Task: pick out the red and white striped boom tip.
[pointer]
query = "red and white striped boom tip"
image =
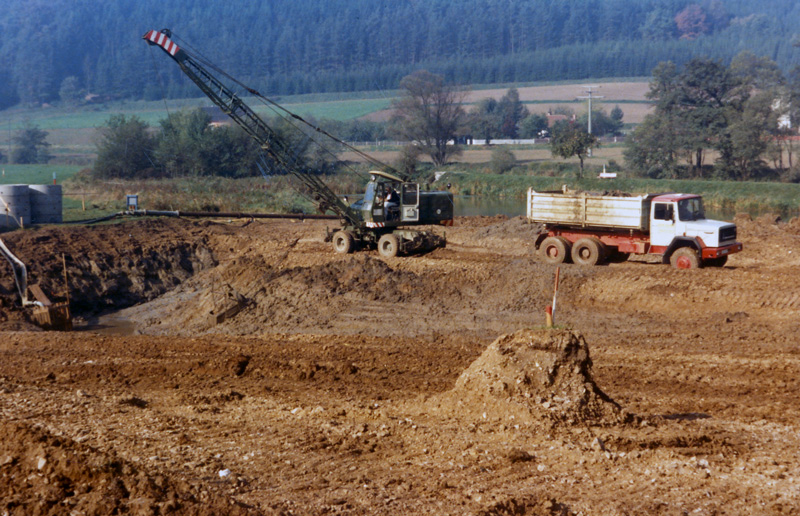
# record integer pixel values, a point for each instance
(155, 37)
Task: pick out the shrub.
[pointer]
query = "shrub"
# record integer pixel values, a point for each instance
(502, 160)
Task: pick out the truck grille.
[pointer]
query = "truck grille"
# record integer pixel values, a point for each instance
(727, 233)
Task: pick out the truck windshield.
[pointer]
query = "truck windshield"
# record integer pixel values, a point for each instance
(691, 209)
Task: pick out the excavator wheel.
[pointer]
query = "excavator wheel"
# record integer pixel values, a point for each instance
(343, 242)
(388, 245)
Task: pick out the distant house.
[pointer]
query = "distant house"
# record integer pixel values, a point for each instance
(552, 119)
(218, 117)
(95, 98)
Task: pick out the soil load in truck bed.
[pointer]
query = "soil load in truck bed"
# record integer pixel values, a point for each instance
(590, 210)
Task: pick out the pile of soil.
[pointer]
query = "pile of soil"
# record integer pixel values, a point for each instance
(271, 295)
(362, 275)
(516, 227)
(535, 377)
(66, 477)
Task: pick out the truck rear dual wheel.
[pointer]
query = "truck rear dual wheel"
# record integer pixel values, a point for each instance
(388, 245)
(685, 258)
(589, 251)
(343, 242)
(555, 249)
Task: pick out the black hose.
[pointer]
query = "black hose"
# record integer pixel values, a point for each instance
(93, 221)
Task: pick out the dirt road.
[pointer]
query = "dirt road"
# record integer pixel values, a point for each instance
(360, 385)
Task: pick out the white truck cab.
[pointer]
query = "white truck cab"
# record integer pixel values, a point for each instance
(679, 219)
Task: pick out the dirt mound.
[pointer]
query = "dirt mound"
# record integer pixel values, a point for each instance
(361, 275)
(45, 474)
(535, 376)
(281, 298)
(527, 506)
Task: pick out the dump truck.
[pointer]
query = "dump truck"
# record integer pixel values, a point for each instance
(590, 229)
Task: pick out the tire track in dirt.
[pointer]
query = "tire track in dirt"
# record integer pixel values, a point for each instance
(668, 290)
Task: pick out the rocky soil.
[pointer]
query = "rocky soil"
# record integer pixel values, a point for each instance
(416, 385)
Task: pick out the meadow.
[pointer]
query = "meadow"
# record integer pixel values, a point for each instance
(72, 134)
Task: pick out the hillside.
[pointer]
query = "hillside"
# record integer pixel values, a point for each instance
(60, 50)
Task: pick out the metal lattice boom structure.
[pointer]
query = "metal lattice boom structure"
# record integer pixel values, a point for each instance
(272, 143)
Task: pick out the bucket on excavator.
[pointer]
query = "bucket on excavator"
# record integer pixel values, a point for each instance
(53, 317)
(49, 315)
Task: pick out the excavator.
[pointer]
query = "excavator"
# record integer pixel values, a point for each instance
(392, 204)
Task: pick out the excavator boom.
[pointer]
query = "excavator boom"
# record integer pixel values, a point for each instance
(272, 144)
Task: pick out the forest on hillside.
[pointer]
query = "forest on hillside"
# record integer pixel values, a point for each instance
(61, 50)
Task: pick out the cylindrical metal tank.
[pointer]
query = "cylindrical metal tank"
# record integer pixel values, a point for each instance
(45, 204)
(15, 206)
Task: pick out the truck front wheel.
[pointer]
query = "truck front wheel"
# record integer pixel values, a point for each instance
(588, 251)
(555, 249)
(685, 258)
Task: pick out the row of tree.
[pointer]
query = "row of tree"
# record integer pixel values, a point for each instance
(740, 115)
(186, 144)
(509, 118)
(63, 50)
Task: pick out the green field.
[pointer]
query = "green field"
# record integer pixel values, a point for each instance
(154, 112)
(35, 174)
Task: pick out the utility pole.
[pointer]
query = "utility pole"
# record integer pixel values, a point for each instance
(591, 96)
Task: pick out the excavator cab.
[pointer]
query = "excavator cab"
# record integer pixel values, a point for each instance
(383, 202)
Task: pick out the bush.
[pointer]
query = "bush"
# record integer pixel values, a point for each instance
(409, 159)
(502, 160)
(791, 175)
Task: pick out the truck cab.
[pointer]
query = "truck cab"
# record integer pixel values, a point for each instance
(678, 221)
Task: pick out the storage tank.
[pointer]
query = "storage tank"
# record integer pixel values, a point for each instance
(15, 206)
(45, 204)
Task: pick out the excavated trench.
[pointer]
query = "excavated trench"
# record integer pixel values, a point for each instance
(107, 268)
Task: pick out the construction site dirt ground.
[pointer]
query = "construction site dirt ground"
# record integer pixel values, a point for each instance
(245, 368)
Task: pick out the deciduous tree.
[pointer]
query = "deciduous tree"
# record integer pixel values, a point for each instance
(430, 114)
(691, 22)
(30, 145)
(485, 120)
(571, 139)
(125, 148)
(512, 112)
(533, 125)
